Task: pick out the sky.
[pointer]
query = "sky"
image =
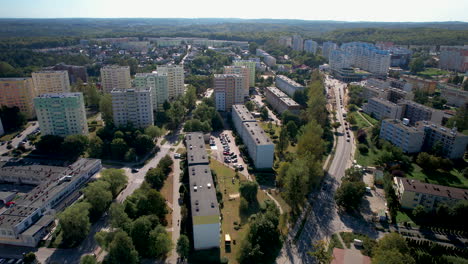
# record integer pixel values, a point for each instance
(342, 10)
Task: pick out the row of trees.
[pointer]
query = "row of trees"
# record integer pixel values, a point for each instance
(11, 117)
(351, 190)
(75, 221)
(156, 176)
(205, 118)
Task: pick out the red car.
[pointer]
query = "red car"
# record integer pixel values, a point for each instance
(226, 153)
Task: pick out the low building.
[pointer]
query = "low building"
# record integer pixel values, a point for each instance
(260, 147)
(452, 144)
(31, 216)
(454, 95)
(395, 95)
(369, 92)
(287, 85)
(204, 205)
(382, 109)
(401, 134)
(412, 193)
(281, 101)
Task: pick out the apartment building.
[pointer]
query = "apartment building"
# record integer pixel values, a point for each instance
(452, 143)
(281, 101)
(133, 106)
(242, 71)
(382, 109)
(372, 91)
(395, 95)
(259, 145)
(367, 57)
(261, 53)
(412, 193)
(285, 41)
(310, 46)
(297, 43)
(32, 216)
(401, 134)
(115, 77)
(455, 96)
(228, 90)
(454, 58)
(204, 204)
(327, 48)
(2, 130)
(250, 64)
(389, 83)
(61, 114)
(175, 79)
(18, 92)
(51, 82)
(339, 59)
(270, 61)
(75, 73)
(420, 84)
(158, 84)
(417, 112)
(287, 85)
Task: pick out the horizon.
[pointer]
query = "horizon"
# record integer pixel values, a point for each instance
(417, 11)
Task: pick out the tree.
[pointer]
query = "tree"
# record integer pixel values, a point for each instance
(99, 196)
(88, 259)
(153, 131)
(392, 249)
(190, 97)
(292, 129)
(349, 194)
(419, 212)
(143, 144)
(29, 258)
(139, 233)
(183, 246)
(296, 183)
(95, 147)
(49, 144)
(320, 253)
(250, 105)
(121, 250)
(416, 65)
(118, 217)
(74, 223)
(118, 148)
(155, 177)
(283, 142)
(116, 178)
(159, 242)
(105, 107)
(316, 104)
(74, 146)
(176, 113)
(91, 95)
(310, 142)
(248, 190)
(12, 118)
(264, 113)
(392, 257)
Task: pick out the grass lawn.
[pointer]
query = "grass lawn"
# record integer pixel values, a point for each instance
(231, 217)
(373, 121)
(334, 243)
(403, 217)
(433, 72)
(276, 128)
(181, 150)
(361, 123)
(369, 158)
(454, 178)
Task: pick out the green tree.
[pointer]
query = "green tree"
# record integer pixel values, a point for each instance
(292, 129)
(264, 113)
(155, 177)
(88, 259)
(349, 194)
(153, 131)
(416, 65)
(250, 105)
(99, 196)
(392, 249)
(248, 190)
(190, 97)
(283, 142)
(320, 253)
(12, 118)
(116, 178)
(118, 148)
(29, 258)
(159, 242)
(74, 146)
(296, 184)
(310, 142)
(183, 246)
(105, 107)
(74, 223)
(118, 217)
(91, 95)
(143, 144)
(139, 233)
(95, 147)
(316, 104)
(49, 144)
(121, 250)
(176, 113)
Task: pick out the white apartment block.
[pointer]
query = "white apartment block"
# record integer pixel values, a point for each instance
(132, 106)
(367, 57)
(115, 77)
(310, 46)
(453, 144)
(280, 101)
(454, 58)
(401, 134)
(228, 90)
(158, 84)
(51, 82)
(285, 41)
(259, 145)
(339, 59)
(175, 79)
(327, 48)
(382, 109)
(270, 61)
(297, 43)
(287, 85)
(61, 114)
(242, 71)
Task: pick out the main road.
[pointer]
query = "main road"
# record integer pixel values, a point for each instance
(321, 217)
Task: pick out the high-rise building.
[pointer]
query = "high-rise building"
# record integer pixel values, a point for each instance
(310, 46)
(175, 79)
(158, 83)
(327, 48)
(75, 73)
(61, 114)
(401, 134)
(454, 58)
(339, 59)
(297, 43)
(251, 66)
(115, 77)
(51, 82)
(18, 92)
(132, 106)
(451, 143)
(228, 90)
(367, 57)
(243, 71)
(285, 41)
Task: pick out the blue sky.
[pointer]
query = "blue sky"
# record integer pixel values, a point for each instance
(346, 10)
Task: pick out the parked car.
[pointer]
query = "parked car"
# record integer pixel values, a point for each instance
(226, 153)
(176, 156)
(135, 170)
(233, 156)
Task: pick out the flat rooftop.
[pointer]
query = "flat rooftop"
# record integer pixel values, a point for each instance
(440, 129)
(433, 189)
(196, 152)
(382, 101)
(12, 79)
(289, 81)
(243, 112)
(256, 132)
(399, 123)
(59, 95)
(202, 191)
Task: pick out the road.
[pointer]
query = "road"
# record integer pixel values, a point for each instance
(176, 216)
(323, 219)
(15, 141)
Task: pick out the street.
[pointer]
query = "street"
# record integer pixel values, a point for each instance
(16, 140)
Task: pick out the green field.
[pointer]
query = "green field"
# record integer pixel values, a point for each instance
(454, 178)
(433, 72)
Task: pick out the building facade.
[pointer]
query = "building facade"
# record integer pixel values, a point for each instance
(382, 109)
(310, 46)
(451, 143)
(61, 114)
(367, 57)
(454, 58)
(175, 79)
(280, 101)
(261, 149)
(18, 92)
(251, 66)
(270, 61)
(297, 43)
(455, 96)
(401, 134)
(287, 85)
(75, 73)
(2, 130)
(242, 71)
(417, 112)
(327, 48)
(115, 77)
(132, 106)
(228, 90)
(158, 84)
(285, 41)
(420, 84)
(204, 204)
(51, 82)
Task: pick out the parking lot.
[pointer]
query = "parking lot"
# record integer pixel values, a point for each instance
(223, 154)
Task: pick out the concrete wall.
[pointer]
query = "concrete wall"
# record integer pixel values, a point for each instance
(206, 236)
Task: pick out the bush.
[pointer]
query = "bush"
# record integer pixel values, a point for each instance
(363, 149)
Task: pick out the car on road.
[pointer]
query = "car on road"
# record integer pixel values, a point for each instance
(347, 140)
(176, 156)
(135, 170)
